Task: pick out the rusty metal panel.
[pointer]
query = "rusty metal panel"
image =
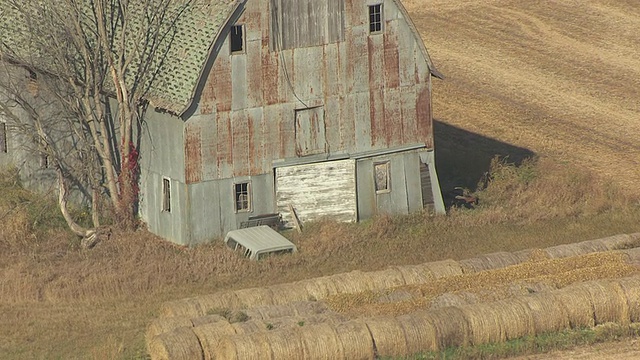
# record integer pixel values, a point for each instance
(316, 191)
(193, 160)
(270, 76)
(376, 57)
(423, 115)
(336, 21)
(287, 135)
(412, 177)
(347, 123)
(391, 55)
(310, 131)
(209, 149)
(332, 115)
(409, 121)
(307, 74)
(225, 145)
(240, 134)
(393, 121)
(358, 59)
(217, 92)
(254, 74)
(356, 13)
(361, 118)
(377, 117)
(407, 55)
(285, 94)
(254, 129)
(270, 135)
(331, 70)
(239, 85)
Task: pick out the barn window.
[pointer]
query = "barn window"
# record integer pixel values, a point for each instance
(3, 137)
(166, 195)
(382, 177)
(375, 19)
(237, 39)
(242, 196)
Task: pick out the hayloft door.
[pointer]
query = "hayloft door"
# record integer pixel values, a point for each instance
(310, 131)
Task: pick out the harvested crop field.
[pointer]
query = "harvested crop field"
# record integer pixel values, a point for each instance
(558, 78)
(405, 310)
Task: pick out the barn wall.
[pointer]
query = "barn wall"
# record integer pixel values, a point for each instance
(373, 89)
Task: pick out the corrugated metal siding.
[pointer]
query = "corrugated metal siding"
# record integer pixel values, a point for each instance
(326, 189)
(375, 91)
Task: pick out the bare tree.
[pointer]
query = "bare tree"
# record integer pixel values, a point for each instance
(98, 59)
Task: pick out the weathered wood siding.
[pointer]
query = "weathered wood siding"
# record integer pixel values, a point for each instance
(374, 89)
(325, 189)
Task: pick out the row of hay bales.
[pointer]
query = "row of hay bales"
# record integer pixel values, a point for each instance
(576, 306)
(358, 281)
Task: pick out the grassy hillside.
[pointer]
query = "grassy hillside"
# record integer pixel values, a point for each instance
(556, 80)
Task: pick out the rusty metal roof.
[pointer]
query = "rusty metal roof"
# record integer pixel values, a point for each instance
(189, 45)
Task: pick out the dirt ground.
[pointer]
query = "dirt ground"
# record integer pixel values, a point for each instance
(559, 78)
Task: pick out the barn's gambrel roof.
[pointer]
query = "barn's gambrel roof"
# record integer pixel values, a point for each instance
(193, 35)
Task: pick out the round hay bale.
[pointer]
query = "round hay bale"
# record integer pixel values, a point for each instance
(217, 301)
(321, 342)
(619, 242)
(210, 335)
(485, 323)
(631, 289)
(516, 318)
(248, 298)
(165, 324)
(286, 293)
(189, 308)
(563, 251)
(633, 255)
(523, 255)
(207, 319)
(576, 301)
(420, 335)
(355, 338)
(547, 313)
(497, 260)
(352, 282)
(444, 268)
(591, 246)
(181, 343)
(254, 346)
(305, 308)
(250, 326)
(386, 279)
(388, 336)
(329, 318)
(451, 326)
(609, 302)
(285, 344)
(415, 274)
(448, 299)
(319, 288)
(273, 311)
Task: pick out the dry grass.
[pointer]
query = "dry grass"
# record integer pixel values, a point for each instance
(519, 74)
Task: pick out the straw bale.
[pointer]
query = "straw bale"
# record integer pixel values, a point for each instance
(329, 318)
(272, 311)
(321, 342)
(633, 255)
(255, 346)
(547, 313)
(210, 335)
(451, 326)
(444, 268)
(388, 336)
(609, 302)
(180, 343)
(619, 242)
(285, 344)
(249, 326)
(577, 304)
(356, 340)
(563, 251)
(516, 318)
(395, 296)
(420, 335)
(304, 308)
(217, 301)
(286, 293)
(352, 282)
(496, 260)
(485, 323)
(386, 279)
(591, 246)
(415, 274)
(448, 299)
(165, 324)
(201, 320)
(524, 255)
(189, 307)
(248, 298)
(631, 289)
(319, 288)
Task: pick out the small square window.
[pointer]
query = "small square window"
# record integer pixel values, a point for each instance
(375, 18)
(382, 177)
(237, 39)
(3, 137)
(166, 195)
(242, 196)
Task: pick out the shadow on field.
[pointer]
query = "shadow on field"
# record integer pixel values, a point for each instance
(463, 157)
